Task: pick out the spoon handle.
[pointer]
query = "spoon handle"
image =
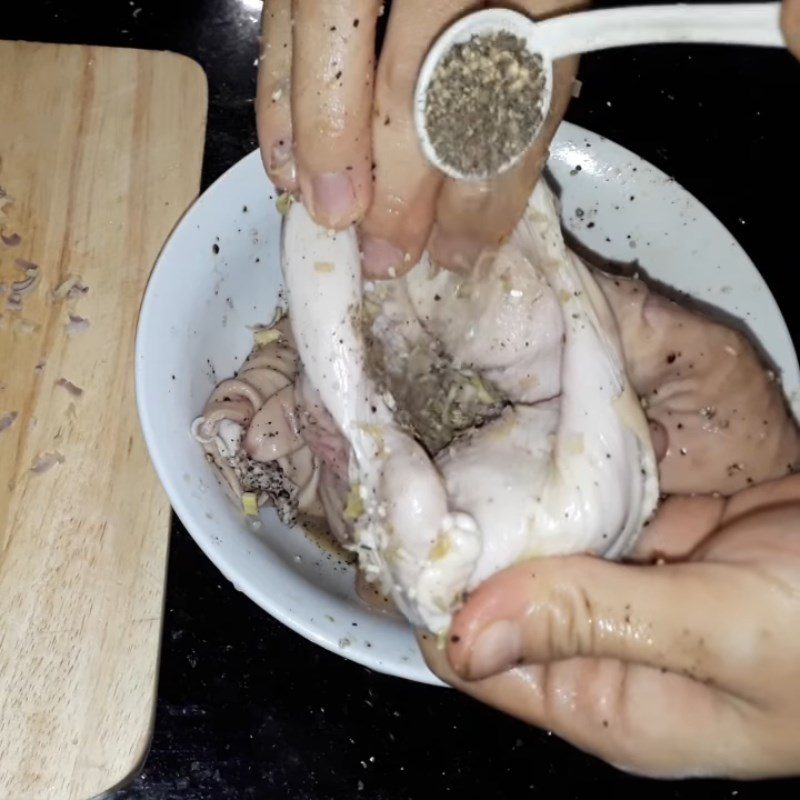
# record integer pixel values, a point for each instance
(723, 23)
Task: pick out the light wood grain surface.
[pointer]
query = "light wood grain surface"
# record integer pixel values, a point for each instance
(101, 151)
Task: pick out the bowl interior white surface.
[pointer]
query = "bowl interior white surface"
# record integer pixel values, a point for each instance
(220, 272)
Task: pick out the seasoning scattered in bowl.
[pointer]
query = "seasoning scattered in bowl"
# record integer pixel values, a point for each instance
(483, 106)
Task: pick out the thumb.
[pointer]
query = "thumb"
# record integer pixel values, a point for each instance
(690, 618)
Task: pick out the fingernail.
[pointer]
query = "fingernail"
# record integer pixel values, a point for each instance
(380, 258)
(454, 252)
(497, 648)
(332, 197)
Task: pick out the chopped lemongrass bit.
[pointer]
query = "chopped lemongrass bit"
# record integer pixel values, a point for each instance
(250, 504)
(355, 504)
(441, 547)
(483, 392)
(264, 336)
(284, 202)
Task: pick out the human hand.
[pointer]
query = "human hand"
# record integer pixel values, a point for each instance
(351, 149)
(685, 666)
(790, 22)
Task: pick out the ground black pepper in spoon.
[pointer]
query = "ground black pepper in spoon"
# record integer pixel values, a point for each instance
(484, 103)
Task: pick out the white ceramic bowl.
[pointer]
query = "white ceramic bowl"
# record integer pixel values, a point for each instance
(193, 331)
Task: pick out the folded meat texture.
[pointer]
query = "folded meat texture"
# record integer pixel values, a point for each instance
(469, 421)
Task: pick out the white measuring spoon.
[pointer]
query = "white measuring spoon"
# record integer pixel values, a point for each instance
(756, 24)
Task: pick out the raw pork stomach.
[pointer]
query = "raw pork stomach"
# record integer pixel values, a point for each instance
(488, 418)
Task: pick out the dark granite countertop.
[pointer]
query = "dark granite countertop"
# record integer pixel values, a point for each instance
(248, 709)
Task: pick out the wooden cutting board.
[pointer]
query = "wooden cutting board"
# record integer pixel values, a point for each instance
(100, 150)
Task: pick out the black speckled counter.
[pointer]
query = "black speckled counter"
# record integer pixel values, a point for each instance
(248, 709)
